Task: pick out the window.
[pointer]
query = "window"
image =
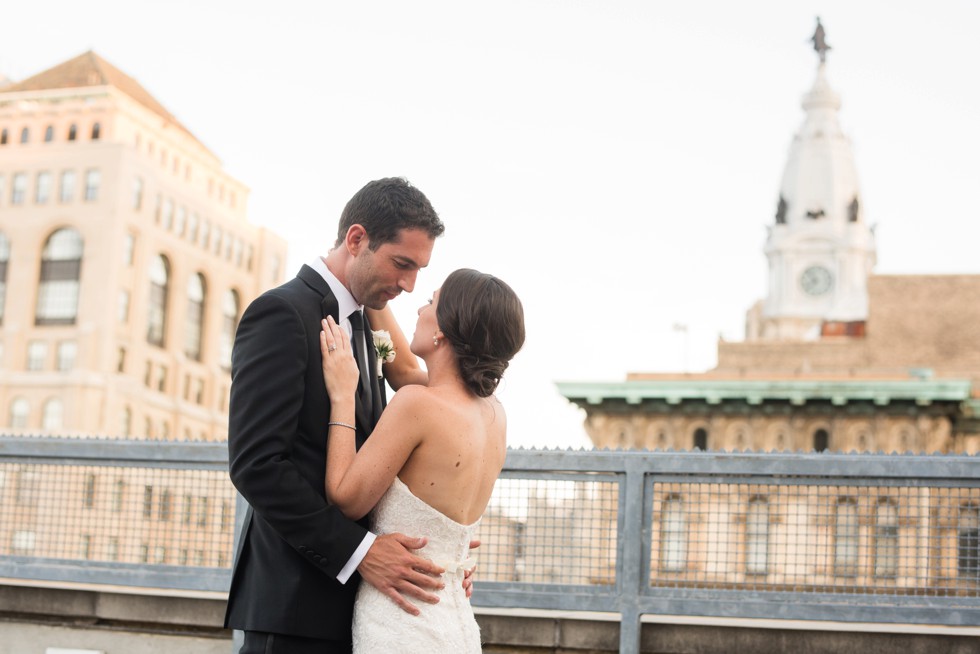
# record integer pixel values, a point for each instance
(238, 249)
(229, 323)
(67, 352)
(202, 512)
(67, 186)
(72, 132)
(18, 189)
(161, 379)
(4, 258)
(166, 504)
(19, 410)
(168, 214)
(195, 316)
(129, 248)
(86, 548)
(96, 131)
(757, 537)
(118, 493)
(700, 439)
(49, 134)
(4, 136)
(28, 487)
(42, 190)
(61, 263)
(88, 496)
(968, 543)
(93, 178)
(846, 541)
(886, 539)
(148, 501)
(673, 535)
(37, 354)
(188, 508)
(126, 422)
(159, 282)
(137, 193)
(123, 308)
(53, 417)
(192, 226)
(121, 360)
(199, 391)
(821, 440)
(23, 542)
(181, 224)
(25, 135)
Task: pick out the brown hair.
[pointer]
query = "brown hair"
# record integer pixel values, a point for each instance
(483, 319)
(386, 206)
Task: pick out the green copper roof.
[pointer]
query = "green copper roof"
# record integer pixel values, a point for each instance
(796, 391)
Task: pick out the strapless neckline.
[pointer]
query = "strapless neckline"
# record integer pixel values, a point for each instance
(402, 485)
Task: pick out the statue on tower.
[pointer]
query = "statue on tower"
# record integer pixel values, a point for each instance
(819, 39)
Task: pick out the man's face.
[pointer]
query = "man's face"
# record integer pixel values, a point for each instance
(378, 276)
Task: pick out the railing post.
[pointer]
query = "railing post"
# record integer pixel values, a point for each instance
(630, 572)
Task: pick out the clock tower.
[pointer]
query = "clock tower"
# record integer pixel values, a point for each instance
(820, 248)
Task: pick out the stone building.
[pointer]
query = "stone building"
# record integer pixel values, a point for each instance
(835, 357)
(126, 259)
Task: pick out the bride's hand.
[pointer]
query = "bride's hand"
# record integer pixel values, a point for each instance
(340, 374)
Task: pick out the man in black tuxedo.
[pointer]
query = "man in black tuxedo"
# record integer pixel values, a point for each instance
(299, 560)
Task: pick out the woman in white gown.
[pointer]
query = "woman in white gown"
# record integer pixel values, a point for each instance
(429, 467)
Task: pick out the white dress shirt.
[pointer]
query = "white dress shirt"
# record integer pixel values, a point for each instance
(346, 305)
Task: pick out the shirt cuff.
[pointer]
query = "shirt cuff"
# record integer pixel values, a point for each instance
(356, 558)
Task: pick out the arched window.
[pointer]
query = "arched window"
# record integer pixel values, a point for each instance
(4, 258)
(821, 440)
(48, 133)
(53, 417)
(700, 439)
(72, 132)
(846, 538)
(757, 537)
(19, 410)
(159, 284)
(96, 131)
(229, 323)
(195, 316)
(886, 539)
(968, 543)
(25, 135)
(61, 265)
(126, 422)
(673, 535)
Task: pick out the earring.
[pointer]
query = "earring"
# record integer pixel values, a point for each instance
(435, 341)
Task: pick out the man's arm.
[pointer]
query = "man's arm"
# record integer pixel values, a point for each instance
(269, 364)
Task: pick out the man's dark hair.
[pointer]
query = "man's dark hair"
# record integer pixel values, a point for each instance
(386, 206)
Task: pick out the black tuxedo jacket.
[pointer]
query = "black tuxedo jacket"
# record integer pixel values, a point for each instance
(292, 545)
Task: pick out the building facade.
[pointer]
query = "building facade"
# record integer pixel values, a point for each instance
(126, 260)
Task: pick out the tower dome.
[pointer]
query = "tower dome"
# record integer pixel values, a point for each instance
(820, 249)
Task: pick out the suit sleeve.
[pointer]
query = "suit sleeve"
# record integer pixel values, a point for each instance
(269, 372)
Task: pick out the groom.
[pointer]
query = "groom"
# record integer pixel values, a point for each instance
(294, 578)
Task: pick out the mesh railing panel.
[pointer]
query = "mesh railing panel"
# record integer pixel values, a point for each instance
(550, 531)
(154, 516)
(816, 538)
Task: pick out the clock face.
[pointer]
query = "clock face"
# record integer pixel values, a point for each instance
(816, 280)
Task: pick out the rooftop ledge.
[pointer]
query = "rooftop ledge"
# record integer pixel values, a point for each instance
(795, 391)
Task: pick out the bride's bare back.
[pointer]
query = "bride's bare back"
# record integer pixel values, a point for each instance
(460, 453)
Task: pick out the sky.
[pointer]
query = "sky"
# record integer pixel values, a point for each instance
(615, 161)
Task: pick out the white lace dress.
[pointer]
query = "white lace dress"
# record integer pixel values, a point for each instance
(380, 625)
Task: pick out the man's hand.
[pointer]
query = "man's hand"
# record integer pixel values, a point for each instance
(391, 567)
(468, 575)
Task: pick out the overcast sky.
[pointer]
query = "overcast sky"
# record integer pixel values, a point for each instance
(615, 161)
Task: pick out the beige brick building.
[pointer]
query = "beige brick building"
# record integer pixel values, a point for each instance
(126, 259)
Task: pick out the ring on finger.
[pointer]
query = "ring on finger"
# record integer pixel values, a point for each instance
(331, 348)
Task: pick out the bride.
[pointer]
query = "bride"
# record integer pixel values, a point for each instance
(430, 465)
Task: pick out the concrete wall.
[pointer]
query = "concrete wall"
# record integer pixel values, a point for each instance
(119, 621)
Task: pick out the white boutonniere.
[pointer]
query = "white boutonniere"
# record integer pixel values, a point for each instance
(385, 348)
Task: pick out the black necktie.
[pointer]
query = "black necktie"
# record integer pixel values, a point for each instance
(359, 345)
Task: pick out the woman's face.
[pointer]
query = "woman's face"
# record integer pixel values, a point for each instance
(426, 328)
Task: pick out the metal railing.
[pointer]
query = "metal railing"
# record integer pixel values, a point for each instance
(841, 537)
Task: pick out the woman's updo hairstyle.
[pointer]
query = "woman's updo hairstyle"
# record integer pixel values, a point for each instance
(483, 320)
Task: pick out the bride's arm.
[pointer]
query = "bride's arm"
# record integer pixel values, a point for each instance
(356, 479)
(405, 368)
